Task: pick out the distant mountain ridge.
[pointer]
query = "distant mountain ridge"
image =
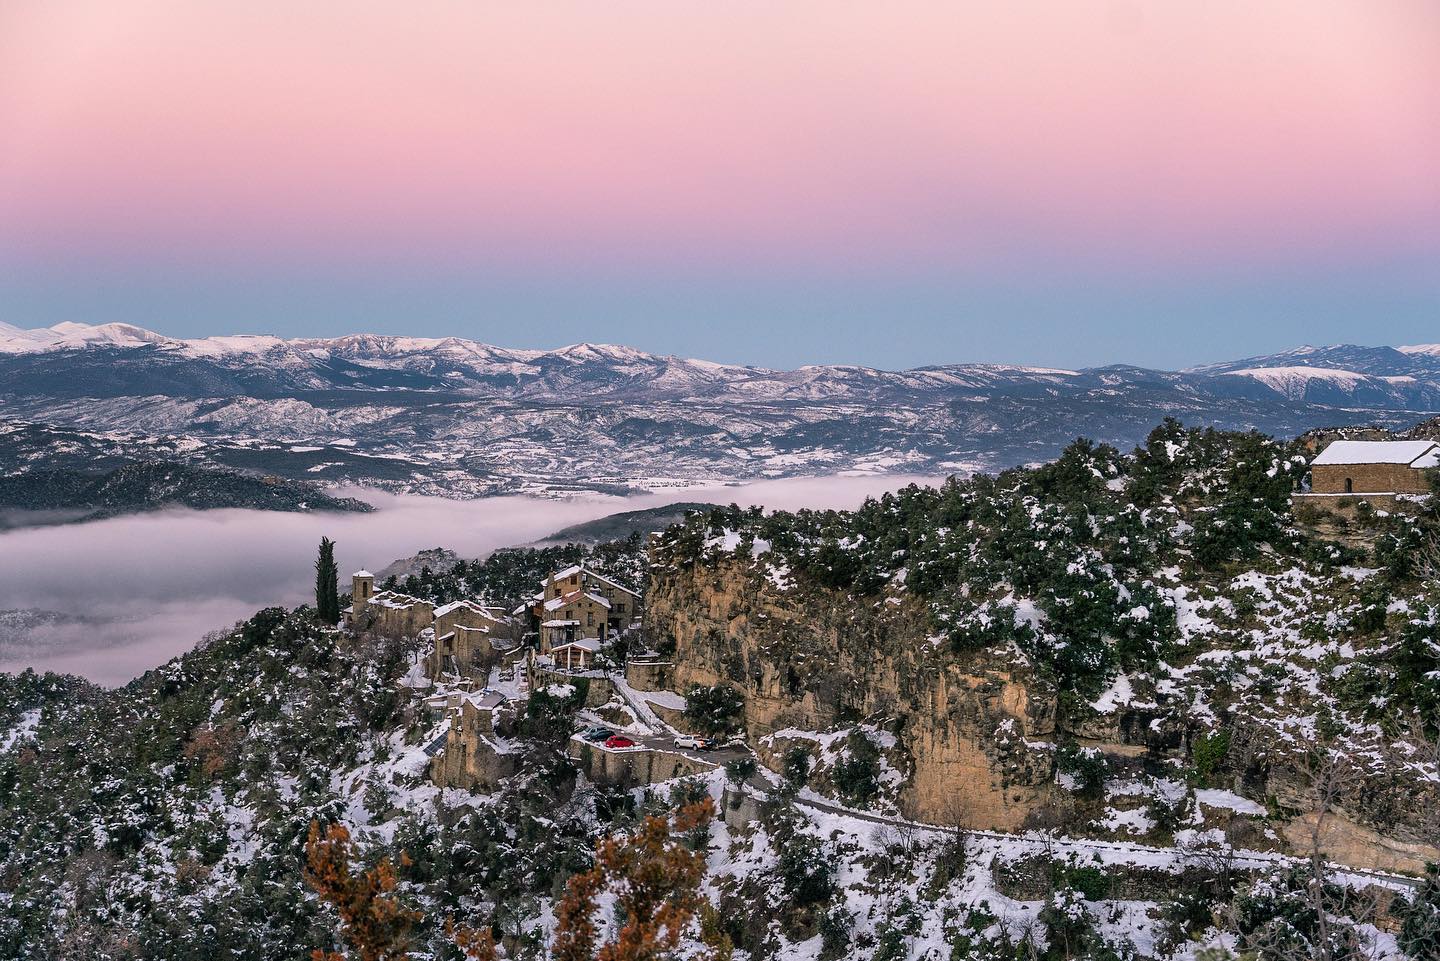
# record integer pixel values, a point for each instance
(460, 418)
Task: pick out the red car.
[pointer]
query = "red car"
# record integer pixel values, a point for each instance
(618, 740)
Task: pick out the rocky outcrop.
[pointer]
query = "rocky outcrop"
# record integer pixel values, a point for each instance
(1341, 839)
(976, 725)
(977, 728)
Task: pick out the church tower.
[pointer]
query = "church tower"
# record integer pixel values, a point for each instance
(362, 588)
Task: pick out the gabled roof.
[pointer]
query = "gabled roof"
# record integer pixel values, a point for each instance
(590, 572)
(615, 584)
(1414, 453)
(555, 603)
(468, 605)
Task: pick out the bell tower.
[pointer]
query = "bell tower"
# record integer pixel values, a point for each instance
(362, 588)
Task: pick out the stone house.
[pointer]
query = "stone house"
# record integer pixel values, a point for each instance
(620, 605)
(470, 639)
(1374, 467)
(574, 616)
(477, 750)
(388, 613)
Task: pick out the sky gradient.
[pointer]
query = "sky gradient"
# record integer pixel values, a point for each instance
(887, 183)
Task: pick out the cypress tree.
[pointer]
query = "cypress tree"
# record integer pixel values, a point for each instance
(327, 583)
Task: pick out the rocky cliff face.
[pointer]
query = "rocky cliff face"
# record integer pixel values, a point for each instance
(976, 726)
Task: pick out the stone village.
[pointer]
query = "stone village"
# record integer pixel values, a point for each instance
(478, 664)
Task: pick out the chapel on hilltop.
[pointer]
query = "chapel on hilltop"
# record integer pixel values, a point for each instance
(1374, 467)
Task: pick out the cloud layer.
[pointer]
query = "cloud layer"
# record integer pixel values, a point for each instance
(159, 582)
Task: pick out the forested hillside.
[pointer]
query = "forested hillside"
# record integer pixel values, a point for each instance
(1143, 667)
(1164, 599)
(69, 496)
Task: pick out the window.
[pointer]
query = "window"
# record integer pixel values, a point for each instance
(1349, 486)
(590, 619)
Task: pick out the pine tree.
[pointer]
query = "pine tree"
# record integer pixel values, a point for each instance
(655, 880)
(374, 923)
(327, 587)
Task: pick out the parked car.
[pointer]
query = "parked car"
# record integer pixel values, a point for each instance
(618, 740)
(690, 741)
(596, 733)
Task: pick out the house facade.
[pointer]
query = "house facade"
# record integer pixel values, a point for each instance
(574, 616)
(1374, 467)
(470, 639)
(611, 606)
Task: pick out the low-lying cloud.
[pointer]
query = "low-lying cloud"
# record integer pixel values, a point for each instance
(154, 584)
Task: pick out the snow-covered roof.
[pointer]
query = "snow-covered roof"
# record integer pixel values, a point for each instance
(555, 603)
(559, 623)
(362, 574)
(591, 644)
(396, 600)
(1379, 452)
(574, 569)
(487, 700)
(468, 605)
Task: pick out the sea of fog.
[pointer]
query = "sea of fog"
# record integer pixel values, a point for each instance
(129, 593)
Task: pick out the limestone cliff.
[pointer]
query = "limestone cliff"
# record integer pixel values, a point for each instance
(976, 725)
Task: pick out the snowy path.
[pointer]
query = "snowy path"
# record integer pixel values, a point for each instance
(1136, 853)
(641, 707)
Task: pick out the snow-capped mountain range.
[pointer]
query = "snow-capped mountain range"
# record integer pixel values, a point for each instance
(453, 416)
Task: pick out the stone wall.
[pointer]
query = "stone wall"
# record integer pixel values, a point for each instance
(649, 675)
(1368, 479)
(738, 808)
(599, 690)
(399, 621)
(634, 767)
(474, 757)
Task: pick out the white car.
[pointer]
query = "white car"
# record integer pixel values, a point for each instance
(689, 741)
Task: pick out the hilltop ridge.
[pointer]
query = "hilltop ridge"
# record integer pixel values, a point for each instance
(458, 418)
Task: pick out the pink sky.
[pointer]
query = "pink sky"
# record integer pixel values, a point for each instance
(819, 134)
